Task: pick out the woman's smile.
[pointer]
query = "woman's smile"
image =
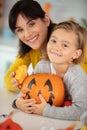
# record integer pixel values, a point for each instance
(33, 39)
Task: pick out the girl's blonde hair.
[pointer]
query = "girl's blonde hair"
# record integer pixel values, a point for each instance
(81, 33)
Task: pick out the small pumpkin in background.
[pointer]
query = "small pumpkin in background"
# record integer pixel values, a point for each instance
(49, 85)
(9, 124)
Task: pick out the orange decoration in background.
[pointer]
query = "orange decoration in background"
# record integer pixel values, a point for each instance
(1, 5)
(9, 124)
(47, 7)
(72, 126)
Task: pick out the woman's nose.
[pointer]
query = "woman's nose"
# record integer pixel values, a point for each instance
(26, 33)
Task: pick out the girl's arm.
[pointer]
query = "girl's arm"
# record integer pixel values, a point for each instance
(77, 88)
(23, 104)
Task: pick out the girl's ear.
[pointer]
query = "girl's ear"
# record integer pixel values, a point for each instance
(47, 19)
(77, 54)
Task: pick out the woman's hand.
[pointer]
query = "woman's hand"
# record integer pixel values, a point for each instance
(38, 108)
(15, 81)
(25, 104)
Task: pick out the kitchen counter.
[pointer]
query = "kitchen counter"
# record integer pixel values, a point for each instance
(28, 121)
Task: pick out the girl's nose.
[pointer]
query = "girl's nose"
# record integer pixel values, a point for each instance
(58, 47)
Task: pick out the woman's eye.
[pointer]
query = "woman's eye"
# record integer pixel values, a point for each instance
(18, 30)
(31, 24)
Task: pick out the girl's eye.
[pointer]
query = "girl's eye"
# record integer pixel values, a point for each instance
(52, 40)
(64, 45)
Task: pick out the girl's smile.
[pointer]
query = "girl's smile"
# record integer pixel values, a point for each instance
(62, 46)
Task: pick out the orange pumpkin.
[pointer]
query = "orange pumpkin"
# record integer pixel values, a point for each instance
(50, 86)
(9, 124)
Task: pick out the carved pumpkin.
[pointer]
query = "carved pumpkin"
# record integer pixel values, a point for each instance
(50, 86)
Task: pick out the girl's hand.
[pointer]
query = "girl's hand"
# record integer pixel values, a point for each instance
(14, 81)
(25, 104)
(38, 108)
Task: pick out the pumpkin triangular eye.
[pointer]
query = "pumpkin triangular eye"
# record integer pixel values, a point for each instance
(50, 101)
(49, 85)
(31, 83)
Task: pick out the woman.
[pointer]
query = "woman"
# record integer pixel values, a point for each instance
(32, 26)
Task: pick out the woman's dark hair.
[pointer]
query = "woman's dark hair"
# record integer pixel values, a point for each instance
(29, 9)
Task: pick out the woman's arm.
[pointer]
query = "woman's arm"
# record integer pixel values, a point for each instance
(30, 57)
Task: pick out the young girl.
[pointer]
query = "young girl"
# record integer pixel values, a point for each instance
(66, 49)
(32, 26)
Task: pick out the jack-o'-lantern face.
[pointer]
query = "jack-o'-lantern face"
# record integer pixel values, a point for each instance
(50, 86)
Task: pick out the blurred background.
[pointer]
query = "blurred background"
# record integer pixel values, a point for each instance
(58, 10)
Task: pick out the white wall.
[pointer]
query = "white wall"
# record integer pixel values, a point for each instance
(61, 9)
(8, 52)
(64, 9)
